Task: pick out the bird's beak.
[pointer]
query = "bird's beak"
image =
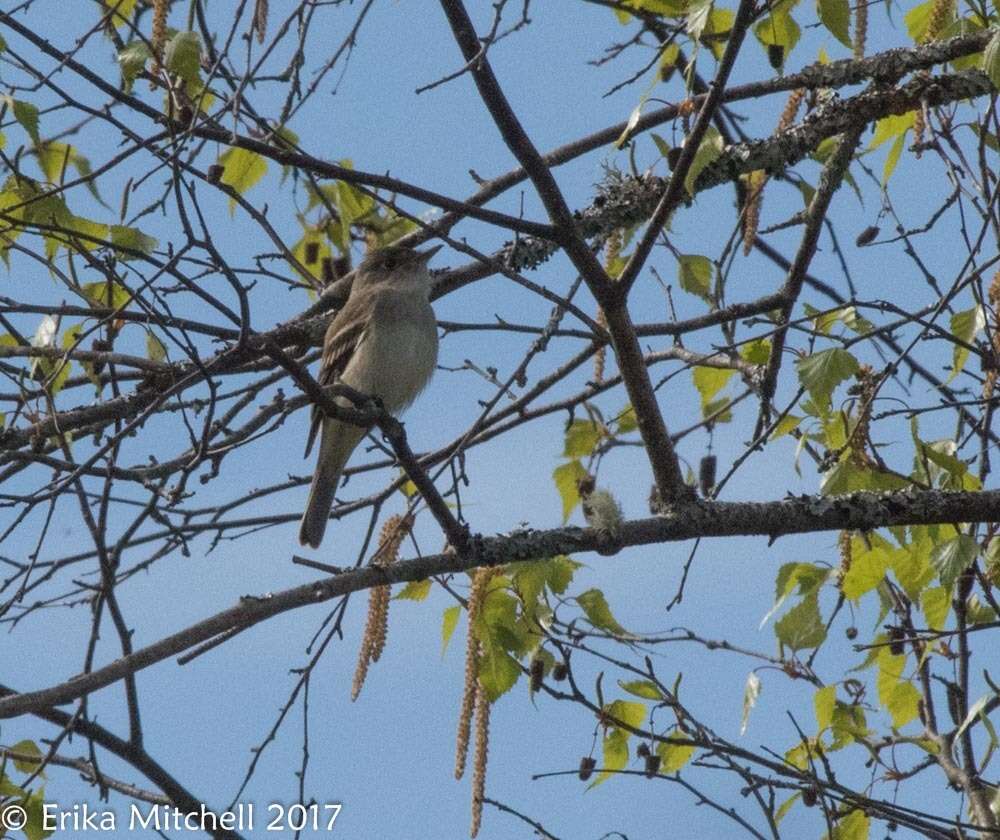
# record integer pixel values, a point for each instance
(425, 256)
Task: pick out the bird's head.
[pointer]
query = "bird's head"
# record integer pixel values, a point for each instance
(395, 264)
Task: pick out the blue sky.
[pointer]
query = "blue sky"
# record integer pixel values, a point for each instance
(388, 757)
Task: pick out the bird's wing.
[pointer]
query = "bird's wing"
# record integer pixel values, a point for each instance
(346, 332)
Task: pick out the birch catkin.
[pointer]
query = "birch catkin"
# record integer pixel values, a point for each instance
(476, 595)
(377, 623)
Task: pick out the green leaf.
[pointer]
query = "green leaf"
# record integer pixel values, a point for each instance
(936, 462)
(799, 755)
(855, 826)
(54, 158)
(778, 29)
(285, 138)
(97, 294)
(132, 60)
(896, 694)
(61, 369)
(627, 421)
(802, 626)
(975, 710)
(848, 724)
(34, 805)
(695, 275)
(27, 115)
(935, 603)
(786, 426)
(849, 477)
(756, 352)
(121, 10)
(965, 326)
(891, 127)
(715, 410)
(913, 568)
(498, 611)
(673, 756)
(836, 16)
(498, 671)
(824, 702)
(662, 146)
(918, 19)
(806, 191)
(44, 208)
(70, 340)
(952, 557)
(664, 8)
(786, 806)
(822, 372)
(751, 691)
(27, 748)
(314, 240)
(561, 569)
(89, 234)
(627, 712)
(709, 381)
(596, 608)
(529, 579)
(498, 624)
(630, 124)
(415, 590)
(870, 560)
(989, 139)
(807, 577)
(991, 59)
(615, 755)
(642, 688)
(824, 321)
(711, 147)
(855, 322)
(719, 21)
(128, 240)
(894, 128)
(8, 788)
(243, 169)
(697, 17)
(566, 477)
(352, 204)
(582, 437)
(449, 621)
(892, 158)
(979, 613)
(182, 55)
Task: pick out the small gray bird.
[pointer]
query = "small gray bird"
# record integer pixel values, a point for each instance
(384, 343)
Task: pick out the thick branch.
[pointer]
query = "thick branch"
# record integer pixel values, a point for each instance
(523, 149)
(829, 182)
(804, 514)
(674, 192)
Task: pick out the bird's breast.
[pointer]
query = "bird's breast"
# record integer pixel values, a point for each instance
(396, 357)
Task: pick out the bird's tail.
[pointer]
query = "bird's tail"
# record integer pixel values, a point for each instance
(337, 442)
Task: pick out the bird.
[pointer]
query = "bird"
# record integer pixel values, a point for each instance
(383, 343)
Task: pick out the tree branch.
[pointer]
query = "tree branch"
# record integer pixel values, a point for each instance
(800, 515)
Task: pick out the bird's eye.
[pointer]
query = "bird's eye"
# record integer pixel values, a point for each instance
(390, 263)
